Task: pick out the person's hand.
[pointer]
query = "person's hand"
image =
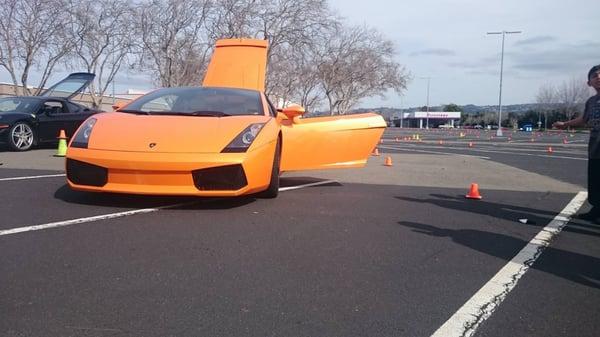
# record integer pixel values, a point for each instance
(559, 125)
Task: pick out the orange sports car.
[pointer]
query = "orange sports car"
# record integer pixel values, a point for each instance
(224, 138)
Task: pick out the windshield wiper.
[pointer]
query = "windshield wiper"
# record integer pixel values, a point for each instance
(201, 113)
(137, 112)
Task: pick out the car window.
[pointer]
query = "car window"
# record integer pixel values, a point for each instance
(74, 107)
(272, 110)
(53, 107)
(19, 104)
(161, 103)
(228, 101)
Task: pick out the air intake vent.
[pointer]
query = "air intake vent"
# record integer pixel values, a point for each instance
(81, 173)
(224, 178)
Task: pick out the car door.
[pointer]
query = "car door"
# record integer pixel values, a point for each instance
(51, 119)
(329, 142)
(76, 114)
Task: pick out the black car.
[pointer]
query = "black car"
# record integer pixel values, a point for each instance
(26, 121)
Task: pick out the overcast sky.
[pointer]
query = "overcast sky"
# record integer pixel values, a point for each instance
(446, 40)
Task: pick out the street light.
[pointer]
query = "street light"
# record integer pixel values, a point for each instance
(499, 132)
(427, 106)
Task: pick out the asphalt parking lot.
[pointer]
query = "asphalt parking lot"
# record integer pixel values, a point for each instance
(378, 251)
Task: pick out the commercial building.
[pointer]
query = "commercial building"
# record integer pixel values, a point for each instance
(424, 119)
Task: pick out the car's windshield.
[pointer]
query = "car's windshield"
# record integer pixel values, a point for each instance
(198, 101)
(19, 104)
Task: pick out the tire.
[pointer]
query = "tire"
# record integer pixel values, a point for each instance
(21, 137)
(273, 190)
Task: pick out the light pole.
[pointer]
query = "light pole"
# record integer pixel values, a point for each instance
(499, 132)
(427, 106)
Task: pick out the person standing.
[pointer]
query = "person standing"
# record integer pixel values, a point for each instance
(591, 118)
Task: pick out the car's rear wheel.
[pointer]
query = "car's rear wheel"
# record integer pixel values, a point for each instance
(273, 190)
(20, 137)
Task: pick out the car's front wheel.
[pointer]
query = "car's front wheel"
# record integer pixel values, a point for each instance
(273, 190)
(20, 137)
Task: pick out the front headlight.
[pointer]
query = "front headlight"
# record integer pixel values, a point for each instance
(82, 137)
(242, 142)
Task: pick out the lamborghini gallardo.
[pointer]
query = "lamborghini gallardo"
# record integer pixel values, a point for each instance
(224, 138)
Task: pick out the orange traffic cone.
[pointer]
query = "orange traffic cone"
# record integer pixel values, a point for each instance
(62, 144)
(474, 192)
(550, 149)
(388, 161)
(375, 152)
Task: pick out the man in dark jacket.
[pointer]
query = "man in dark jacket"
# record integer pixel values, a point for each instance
(591, 118)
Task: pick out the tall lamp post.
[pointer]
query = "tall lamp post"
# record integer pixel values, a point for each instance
(427, 106)
(499, 132)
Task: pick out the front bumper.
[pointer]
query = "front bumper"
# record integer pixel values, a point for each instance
(170, 173)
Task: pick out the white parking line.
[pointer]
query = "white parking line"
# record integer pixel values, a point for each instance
(432, 152)
(289, 188)
(33, 177)
(126, 213)
(481, 306)
(87, 219)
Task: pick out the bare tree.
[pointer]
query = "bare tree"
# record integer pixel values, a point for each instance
(32, 37)
(571, 96)
(359, 63)
(174, 43)
(546, 98)
(101, 40)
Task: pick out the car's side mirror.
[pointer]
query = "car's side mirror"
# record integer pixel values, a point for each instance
(292, 111)
(118, 105)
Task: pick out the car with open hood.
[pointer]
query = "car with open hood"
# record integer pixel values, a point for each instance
(26, 121)
(224, 138)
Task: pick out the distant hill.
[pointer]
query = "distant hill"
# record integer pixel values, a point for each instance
(468, 109)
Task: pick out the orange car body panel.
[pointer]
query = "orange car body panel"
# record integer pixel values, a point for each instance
(120, 142)
(238, 63)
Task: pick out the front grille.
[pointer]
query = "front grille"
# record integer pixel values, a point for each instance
(231, 177)
(81, 173)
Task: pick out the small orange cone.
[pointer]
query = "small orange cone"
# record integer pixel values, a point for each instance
(388, 161)
(62, 144)
(550, 149)
(375, 152)
(474, 192)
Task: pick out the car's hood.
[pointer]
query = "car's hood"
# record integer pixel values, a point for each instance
(172, 134)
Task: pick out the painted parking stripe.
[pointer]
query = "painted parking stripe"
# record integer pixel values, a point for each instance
(289, 188)
(126, 213)
(500, 152)
(33, 177)
(481, 306)
(432, 152)
(87, 219)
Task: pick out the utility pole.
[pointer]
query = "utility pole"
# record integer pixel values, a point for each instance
(427, 106)
(499, 132)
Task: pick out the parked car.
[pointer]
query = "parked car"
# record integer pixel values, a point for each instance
(26, 121)
(222, 139)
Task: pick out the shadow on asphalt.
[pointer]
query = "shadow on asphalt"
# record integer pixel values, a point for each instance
(68, 195)
(575, 267)
(535, 217)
